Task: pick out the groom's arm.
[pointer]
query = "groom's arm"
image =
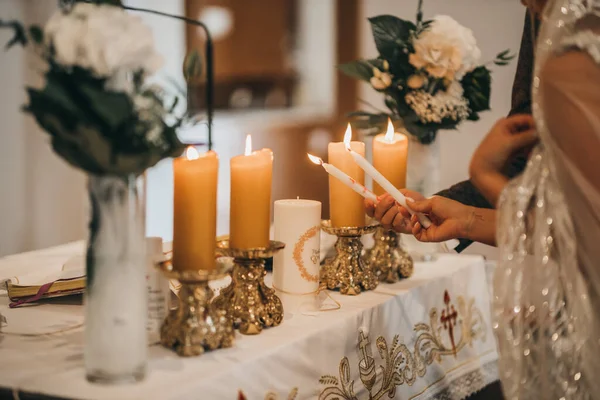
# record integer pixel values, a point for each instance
(466, 192)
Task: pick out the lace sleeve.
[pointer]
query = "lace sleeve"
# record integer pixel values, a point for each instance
(571, 99)
(586, 40)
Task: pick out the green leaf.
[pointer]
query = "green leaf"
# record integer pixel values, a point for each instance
(56, 97)
(391, 103)
(361, 114)
(423, 26)
(112, 108)
(192, 67)
(19, 37)
(477, 89)
(503, 54)
(424, 134)
(473, 117)
(391, 34)
(37, 34)
(174, 104)
(501, 63)
(359, 69)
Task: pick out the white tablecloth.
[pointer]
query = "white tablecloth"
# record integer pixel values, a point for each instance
(396, 331)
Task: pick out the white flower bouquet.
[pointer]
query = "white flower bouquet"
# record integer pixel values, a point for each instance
(100, 114)
(429, 73)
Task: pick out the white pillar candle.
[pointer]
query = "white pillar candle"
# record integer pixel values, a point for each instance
(296, 268)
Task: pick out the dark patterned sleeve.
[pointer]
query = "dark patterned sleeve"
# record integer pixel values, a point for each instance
(465, 192)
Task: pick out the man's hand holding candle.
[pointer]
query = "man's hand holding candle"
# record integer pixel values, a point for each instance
(390, 213)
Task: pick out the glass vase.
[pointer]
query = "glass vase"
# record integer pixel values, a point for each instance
(424, 167)
(423, 176)
(116, 297)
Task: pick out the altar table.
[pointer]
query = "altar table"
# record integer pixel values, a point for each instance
(423, 338)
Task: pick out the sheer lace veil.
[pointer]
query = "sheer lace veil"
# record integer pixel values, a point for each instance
(544, 320)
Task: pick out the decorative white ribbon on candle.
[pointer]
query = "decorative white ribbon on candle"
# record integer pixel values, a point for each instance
(344, 178)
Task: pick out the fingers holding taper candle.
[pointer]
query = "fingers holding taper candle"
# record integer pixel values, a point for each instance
(344, 178)
(380, 179)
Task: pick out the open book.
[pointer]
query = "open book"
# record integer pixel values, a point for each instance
(68, 280)
(54, 272)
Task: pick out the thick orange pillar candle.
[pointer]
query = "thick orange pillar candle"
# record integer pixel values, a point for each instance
(250, 206)
(390, 152)
(195, 213)
(346, 207)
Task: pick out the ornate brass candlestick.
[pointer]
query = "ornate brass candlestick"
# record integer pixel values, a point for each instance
(347, 270)
(250, 303)
(197, 325)
(387, 258)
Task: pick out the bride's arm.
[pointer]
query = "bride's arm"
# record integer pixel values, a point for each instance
(571, 102)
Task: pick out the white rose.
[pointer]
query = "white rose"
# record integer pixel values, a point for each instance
(463, 38)
(65, 40)
(446, 50)
(104, 39)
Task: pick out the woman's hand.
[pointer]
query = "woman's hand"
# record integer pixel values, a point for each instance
(453, 220)
(392, 215)
(507, 136)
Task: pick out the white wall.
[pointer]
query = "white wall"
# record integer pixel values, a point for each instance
(497, 25)
(316, 64)
(42, 200)
(169, 36)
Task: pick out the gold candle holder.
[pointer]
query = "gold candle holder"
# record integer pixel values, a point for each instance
(347, 271)
(250, 303)
(389, 261)
(196, 325)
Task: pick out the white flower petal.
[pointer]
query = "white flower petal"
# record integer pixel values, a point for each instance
(104, 39)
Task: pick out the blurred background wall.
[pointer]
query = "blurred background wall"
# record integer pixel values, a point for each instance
(277, 81)
(42, 200)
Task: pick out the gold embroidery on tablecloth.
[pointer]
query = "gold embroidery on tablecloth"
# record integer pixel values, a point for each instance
(400, 365)
(299, 249)
(272, 395)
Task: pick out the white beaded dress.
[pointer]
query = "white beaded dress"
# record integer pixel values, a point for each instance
(547, 285)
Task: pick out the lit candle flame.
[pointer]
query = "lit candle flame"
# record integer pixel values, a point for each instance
(389, 134)
(315, 159)
(191, 153)
(248, 150)
(348, 137)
